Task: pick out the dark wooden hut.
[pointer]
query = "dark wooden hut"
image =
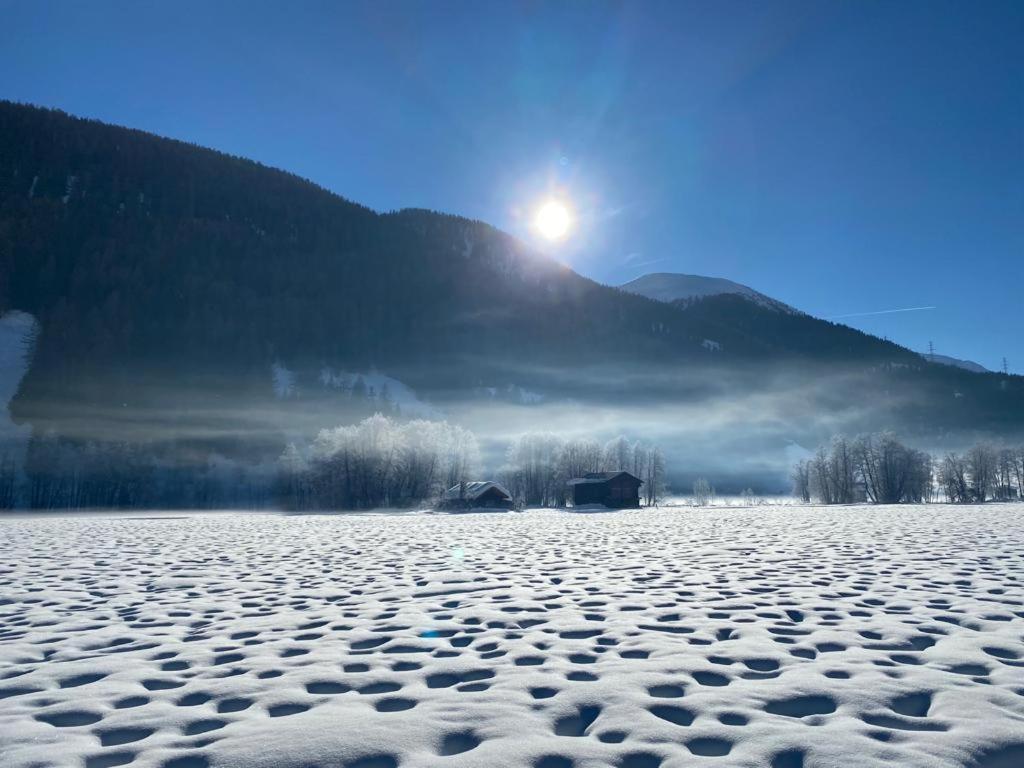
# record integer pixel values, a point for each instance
(615, 490)
(479, 494)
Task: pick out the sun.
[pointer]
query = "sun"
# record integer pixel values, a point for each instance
(553, 220)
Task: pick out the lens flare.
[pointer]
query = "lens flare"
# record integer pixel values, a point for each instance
(553, 220)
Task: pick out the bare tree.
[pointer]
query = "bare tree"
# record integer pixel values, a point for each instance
(649, 466)
(293, 487)
(820, 477)
(953, 478)
(579, 457)
(532, 469)
(1018, 470)
(1005, 488)
(8, 480)
(877, 467)
(617, 455)
(842, 470)
(801, 477)
(379, 462)
(892, 472)
(982, 464)
(703, 492)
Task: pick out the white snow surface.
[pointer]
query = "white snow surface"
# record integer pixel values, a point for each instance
(779, 637)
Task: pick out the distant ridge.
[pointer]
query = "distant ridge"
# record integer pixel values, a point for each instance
(967, 365)
(188, 308)
(677, 287)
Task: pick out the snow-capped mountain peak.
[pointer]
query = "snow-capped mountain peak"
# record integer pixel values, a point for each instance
(967, 365)
(670, 287)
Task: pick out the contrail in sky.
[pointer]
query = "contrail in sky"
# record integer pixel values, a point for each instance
(881, 312)
(647, 263)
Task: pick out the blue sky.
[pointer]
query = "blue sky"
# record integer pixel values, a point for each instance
(842, 157)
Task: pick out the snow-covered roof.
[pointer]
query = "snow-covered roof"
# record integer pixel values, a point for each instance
(474, 490)
(601, 477)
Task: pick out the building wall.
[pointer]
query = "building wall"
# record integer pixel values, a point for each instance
(491, 498)
(613, 494)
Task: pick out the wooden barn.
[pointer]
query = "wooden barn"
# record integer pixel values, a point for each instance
(479, 494)
(615, 490)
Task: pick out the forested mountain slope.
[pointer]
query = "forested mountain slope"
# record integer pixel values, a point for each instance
(675, 287)
(170, 283)
(143, 252)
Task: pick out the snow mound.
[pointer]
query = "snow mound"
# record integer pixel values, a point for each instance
(752, 637)
(584, 508)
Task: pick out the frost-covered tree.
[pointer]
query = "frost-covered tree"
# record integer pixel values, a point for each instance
(462, 454)
(703, 492)
(982, 467)
(617, 455)
(842, 469)
(422, 461)
(953, 478)
(890, 471)
(532, 469)
(380, 462)
(649, 466)
(1018, 470)
(820, 477)
(579, 457)
(877, 467)
(539, 465)
(801, 478)
(1006, 481)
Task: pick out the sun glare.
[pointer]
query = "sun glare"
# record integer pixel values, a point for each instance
(553, 220)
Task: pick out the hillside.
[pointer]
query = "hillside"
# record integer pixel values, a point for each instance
(967, 365)
(196, 303)
(673, 287)
(130, 248)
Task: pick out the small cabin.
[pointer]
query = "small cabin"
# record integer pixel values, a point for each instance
(479, 494)
(615, 490)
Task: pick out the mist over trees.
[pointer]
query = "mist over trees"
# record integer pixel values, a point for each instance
(880, 469)
(170, 278)
(62, 474)
(382, 463)
(538, 466)
(703, 492)
(377, 463)
(982, 473)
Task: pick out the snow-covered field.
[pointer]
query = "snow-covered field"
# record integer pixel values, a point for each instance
(776, 637)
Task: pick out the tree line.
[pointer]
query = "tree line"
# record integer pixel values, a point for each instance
(380, 462)
(538, 466)
(57, 473)
(880, 469)
(982, 473)
(377, 463)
